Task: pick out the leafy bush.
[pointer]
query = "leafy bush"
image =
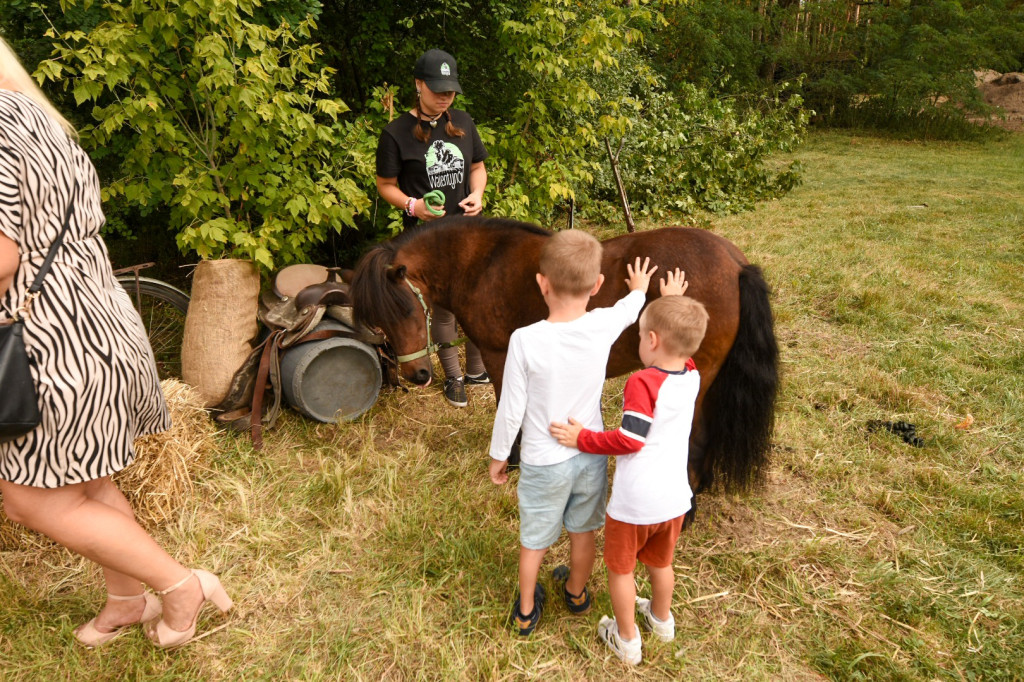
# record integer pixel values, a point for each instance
(222, 115)
(693, 151)
(228, 122)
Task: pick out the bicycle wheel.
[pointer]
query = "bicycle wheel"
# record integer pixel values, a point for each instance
(162, 309)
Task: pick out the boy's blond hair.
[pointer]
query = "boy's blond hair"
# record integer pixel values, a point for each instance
(680, 322)
(571, 260)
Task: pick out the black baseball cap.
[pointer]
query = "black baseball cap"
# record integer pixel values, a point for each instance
(437, 69)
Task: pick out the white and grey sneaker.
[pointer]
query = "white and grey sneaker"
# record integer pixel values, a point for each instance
(665, 630)
(608, 631)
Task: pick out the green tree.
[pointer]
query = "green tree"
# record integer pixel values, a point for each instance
(590, 77)
(546, 151)
(229, 121)
(894, 64)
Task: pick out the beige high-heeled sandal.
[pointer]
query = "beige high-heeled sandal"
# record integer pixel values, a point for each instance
(166, 637)
(90, 637)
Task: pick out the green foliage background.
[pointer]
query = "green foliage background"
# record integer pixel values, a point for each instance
(248, 128)
(901, 64)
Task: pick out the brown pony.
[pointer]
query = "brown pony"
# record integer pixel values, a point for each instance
(483, 270)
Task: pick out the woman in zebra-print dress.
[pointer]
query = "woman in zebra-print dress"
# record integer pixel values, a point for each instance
(95, 374)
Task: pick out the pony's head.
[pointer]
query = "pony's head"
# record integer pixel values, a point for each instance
(382, 298)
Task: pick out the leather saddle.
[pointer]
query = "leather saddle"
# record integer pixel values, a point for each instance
(301, 296)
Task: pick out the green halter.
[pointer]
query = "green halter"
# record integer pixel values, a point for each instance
(431, 346)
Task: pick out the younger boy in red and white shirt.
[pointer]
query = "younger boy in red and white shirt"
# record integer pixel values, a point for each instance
(651, 489)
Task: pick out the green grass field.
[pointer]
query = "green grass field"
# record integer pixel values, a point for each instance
(379, 550)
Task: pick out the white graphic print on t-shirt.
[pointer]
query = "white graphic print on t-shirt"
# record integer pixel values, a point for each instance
(445, 165)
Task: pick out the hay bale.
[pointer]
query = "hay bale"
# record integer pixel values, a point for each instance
(159, 482)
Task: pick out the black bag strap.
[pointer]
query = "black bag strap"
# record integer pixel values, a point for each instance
(37, 284)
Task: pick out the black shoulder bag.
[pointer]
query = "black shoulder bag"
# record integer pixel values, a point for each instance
(19, 408)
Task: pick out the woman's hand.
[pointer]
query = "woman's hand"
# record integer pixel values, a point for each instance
(473, 204)
(421, 211)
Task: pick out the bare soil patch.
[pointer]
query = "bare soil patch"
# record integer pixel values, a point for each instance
(1006, 91)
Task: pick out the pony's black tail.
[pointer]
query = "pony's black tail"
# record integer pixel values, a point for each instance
(739, 406)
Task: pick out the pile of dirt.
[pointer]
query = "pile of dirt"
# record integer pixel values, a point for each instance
(1005, 91)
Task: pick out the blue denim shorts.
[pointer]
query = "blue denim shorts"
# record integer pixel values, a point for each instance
(571, 493)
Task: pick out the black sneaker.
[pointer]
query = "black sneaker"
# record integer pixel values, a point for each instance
(455, 392)
(577, 604)
(527, 624)
(475, 379)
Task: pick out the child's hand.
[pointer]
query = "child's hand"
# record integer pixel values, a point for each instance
(567, 434)
(674, 283)
(639, 275)
(499, 471)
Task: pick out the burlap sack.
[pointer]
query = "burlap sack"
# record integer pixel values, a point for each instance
(221, 323)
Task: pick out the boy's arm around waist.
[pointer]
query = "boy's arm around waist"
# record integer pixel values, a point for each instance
(639, 398)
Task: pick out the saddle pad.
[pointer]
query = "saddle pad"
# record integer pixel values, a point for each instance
(291, 280)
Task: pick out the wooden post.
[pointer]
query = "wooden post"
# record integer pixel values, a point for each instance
(614, 158)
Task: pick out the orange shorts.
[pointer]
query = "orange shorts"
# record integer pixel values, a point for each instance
(654, 545)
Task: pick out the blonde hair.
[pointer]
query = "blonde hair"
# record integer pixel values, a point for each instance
(680, 321)
(571, 260)
(13, 76)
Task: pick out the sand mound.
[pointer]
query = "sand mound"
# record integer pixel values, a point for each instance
(159, 482)
(1005, 91)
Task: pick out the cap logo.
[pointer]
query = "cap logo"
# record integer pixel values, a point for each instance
(445, 69)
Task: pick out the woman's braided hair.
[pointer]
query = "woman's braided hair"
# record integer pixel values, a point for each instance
(423, 135)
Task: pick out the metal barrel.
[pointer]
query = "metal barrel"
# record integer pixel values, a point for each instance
(332, 380)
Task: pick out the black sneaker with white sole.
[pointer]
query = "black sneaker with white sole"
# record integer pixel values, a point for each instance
(455, 392)
(478, 379)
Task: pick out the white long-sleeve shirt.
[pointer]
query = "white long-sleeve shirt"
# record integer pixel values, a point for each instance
(555, 370)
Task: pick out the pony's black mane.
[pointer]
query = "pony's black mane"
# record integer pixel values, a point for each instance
(465, 221)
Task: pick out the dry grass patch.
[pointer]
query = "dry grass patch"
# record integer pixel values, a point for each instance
(379, 549)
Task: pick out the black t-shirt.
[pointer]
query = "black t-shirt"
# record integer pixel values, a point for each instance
(441, 163)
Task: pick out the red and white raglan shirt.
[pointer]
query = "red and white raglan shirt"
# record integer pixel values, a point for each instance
(651, 484)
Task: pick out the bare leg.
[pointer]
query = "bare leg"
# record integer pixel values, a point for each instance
(90, 519)
(529, 569)
(622, 589)
(663, 582)
(582, 553)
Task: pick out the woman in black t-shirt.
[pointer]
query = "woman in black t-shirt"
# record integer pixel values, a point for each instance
(435, 147)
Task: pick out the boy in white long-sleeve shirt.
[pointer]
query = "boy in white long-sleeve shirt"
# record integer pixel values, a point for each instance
(556, 367)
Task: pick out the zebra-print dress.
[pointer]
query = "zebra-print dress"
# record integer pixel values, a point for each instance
(94, 369)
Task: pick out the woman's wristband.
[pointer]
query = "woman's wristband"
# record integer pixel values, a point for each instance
(410, 207)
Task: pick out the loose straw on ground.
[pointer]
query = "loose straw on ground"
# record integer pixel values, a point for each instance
(159, 483)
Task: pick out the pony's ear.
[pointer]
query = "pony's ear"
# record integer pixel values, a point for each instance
(396, 273)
